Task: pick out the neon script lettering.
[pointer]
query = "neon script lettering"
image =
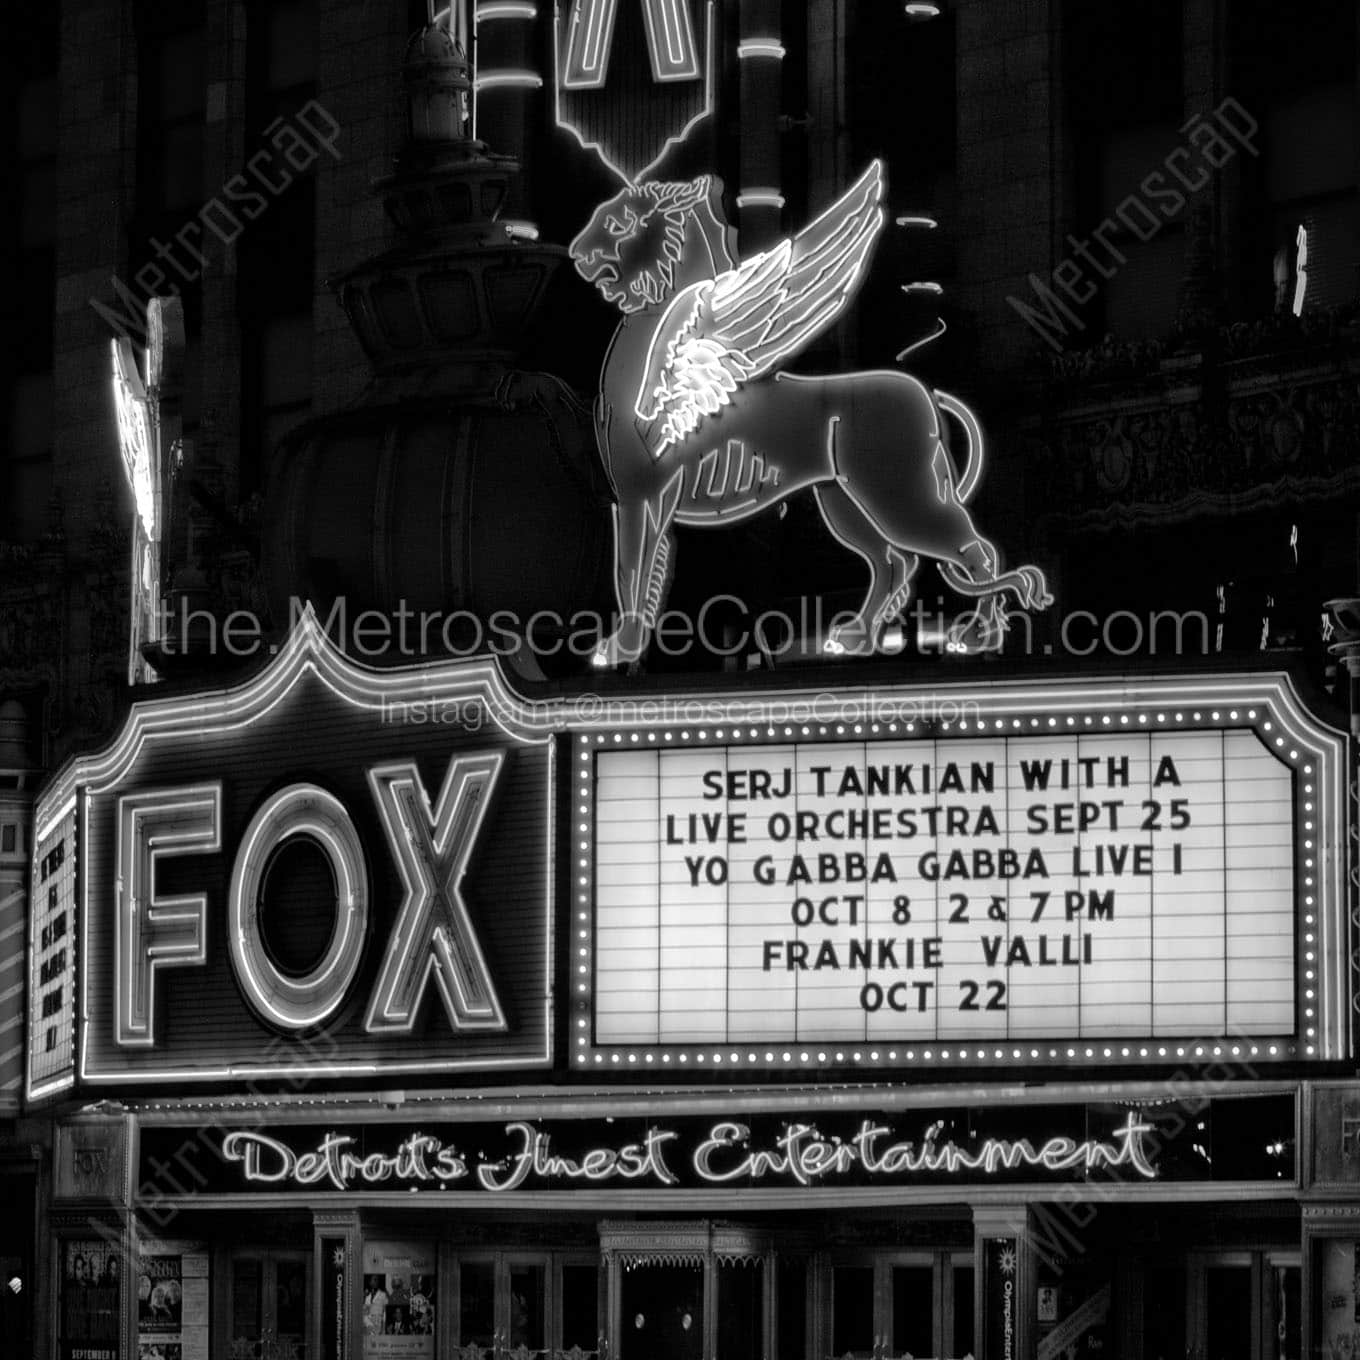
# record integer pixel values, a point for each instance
(266, 1161)
(801, 1154)
(635, 1161)
(804, 1155)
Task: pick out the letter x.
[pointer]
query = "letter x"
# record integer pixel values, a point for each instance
(434, 933)
(590, 36)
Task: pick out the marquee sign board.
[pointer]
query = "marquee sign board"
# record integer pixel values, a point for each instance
(1125, 873)
(303, 878)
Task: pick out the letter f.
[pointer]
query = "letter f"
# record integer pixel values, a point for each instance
(434, 932)
(152, 931)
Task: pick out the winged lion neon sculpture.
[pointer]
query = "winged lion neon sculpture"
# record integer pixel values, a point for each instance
(698, 425)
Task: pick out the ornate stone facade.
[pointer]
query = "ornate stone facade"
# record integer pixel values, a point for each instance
(1267, 414)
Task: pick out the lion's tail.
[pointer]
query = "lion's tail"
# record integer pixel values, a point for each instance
(972, 471)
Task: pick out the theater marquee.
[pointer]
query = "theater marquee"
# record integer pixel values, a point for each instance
(1119, 873)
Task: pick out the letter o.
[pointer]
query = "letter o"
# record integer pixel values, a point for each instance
(297, 1003)
(1137, 633)
(870, 997)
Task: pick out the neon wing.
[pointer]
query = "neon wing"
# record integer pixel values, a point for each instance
(723, 332)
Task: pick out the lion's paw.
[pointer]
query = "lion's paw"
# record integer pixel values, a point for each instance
(978, 631)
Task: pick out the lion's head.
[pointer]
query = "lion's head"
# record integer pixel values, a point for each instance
(632, 243)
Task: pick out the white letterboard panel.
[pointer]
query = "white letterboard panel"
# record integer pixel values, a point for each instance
(1129, 887)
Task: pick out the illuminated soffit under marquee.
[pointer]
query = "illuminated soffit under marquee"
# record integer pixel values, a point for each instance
(642, 950)
(193, 825)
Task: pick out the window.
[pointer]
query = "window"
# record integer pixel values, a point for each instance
(1297, 79)
(1310, 183)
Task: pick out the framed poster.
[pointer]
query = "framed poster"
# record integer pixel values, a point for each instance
(172, 1301)
(400, 1300)
(88, 1314)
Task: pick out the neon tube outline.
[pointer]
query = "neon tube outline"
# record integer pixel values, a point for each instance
(453, 953)
(138, 853)
(298, 810)
(675, 139)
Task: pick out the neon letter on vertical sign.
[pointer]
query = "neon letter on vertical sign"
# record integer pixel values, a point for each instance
(433, 933)
(297, 1002)
(1300, 269)
(151, 931)
(670, 41)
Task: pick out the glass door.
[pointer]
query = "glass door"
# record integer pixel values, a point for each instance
(579, 1322)
(891, 1305)
(1226, 1312)
(855, 1321)
(477, 1326)
(268, 1304)
(504, 1306)
(525, 1323)
(1244, 1303)
(958, 1312)
(910, 1325)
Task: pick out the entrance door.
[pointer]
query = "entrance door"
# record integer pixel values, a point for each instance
(268, 1302)
(661, 1311)
(1235, 1305)
(739, 1290)
(910, 1324)
(504, 1303)
(891, 1304)
(1226, 1313)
